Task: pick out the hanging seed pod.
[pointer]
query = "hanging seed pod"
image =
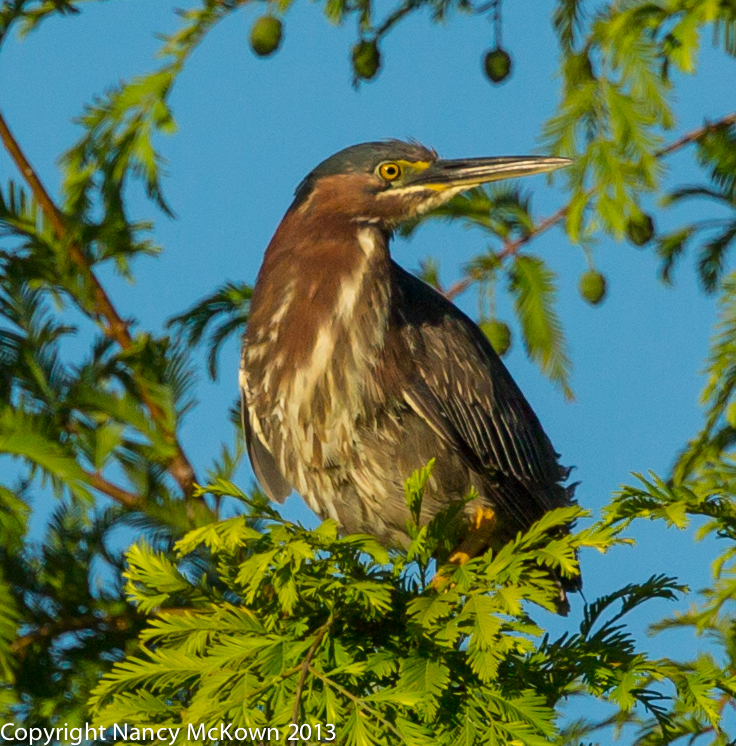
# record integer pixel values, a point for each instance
(592, 287)
(497, 64)
(640, 229)
(265, 36)
(366, 59)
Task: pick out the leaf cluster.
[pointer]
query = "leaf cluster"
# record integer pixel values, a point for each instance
(716, 150)
(304, 626)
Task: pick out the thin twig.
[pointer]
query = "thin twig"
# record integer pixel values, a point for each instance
(356, 700)
(26, 170)
(696, 134)
(459, 287)
(512, 247)
(395, 17)
(129, 499)
(110, 320)
(305, 667)
(273, 680)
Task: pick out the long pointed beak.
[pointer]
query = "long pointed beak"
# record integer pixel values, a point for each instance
(470, 172)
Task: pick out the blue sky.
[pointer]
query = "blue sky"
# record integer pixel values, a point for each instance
(250, 129)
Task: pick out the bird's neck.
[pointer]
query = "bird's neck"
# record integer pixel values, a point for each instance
(320, 312)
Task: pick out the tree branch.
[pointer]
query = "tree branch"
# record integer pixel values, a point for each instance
(696, 134)
(107, 315)
(273, 680)
(119, 622)
(357, 701)
(512, 247)
(395, 17)
(129, 499)
(305, 668)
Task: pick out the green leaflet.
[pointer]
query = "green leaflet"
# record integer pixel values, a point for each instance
(23, 435)
(231, 301)
(534, 290)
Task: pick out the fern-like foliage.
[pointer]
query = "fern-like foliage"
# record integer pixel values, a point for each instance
(230, 301)
(533, 287)
(718, 233)
(706, 683)
(303, 627)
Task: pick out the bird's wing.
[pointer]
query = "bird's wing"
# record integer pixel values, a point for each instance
(264, 465)
(462, 389)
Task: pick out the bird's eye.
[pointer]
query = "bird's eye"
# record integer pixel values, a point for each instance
(389, 171)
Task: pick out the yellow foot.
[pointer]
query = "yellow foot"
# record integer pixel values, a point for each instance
(459, 558)
(476, 540)
(482, 517)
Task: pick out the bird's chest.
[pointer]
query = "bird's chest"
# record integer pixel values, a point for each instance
(311, 378)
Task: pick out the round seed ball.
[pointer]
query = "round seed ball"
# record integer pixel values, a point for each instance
(497, 64)
(366, 59)
(592, 287)
(265, 36)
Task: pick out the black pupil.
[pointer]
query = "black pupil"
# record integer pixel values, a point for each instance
(391, 171)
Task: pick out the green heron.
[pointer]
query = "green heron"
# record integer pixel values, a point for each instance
(355, 373)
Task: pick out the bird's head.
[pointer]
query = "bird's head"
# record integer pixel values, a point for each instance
(389, 182)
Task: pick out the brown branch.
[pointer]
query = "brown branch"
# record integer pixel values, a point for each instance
(107, 315)
(27, 172)
(129, 499)
(119, 622)
(273, 680)
(696, 134)
(395, 17)
(512, 247)
(458, 287)
(305, 668)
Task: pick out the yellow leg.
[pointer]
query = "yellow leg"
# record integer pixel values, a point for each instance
(478, 538)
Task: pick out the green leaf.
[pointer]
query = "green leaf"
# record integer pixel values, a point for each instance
(567, 21)
(533, 286)
(425, 678)
(25, 435)
(229, 305)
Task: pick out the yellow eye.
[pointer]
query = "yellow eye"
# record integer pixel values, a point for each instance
(389, 171)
